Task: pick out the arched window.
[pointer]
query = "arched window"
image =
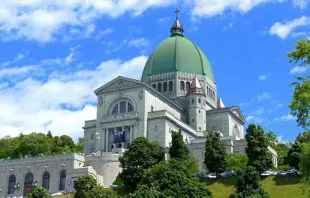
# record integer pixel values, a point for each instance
(170, 86)
(115, 110)
(182, 85)
(129, 107)
(159, 87)
(154, 86)
(46, 180)
(122, 107)
(28, 184)
(188, 84)
(12, 183)
(62, 183)
(207, 91)
(165, 86)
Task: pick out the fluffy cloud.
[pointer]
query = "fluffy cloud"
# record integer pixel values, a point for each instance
(298, 70)
(63, 102)
(264, 76)
(44, 20)
(211, 8)
(285, 118)
(300, 3)
(283, 30)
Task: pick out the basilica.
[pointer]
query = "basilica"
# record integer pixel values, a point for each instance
(177, 91)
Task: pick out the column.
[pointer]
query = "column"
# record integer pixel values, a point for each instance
(130, 136)
(123, 143)
(106, 139)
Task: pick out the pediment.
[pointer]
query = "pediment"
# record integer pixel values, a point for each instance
(236, 111)
(119, 83)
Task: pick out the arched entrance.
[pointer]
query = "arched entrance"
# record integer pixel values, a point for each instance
(62, 184)
(12, 182)
(46, 180)
(28, 184)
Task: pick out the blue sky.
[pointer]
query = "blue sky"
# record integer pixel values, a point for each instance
(54, 53)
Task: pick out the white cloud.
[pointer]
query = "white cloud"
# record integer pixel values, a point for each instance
(63, 102)
(211, 8)
(139, 43)
(17, 71)
(298, 69)
(16, 59)
(254, 119)
(264, 76)
(263, 96)
(46, 20)
(283, 30)
(287, 117)
(302, 4)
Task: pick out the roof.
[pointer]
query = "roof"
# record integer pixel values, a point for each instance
(177, 53)
(231, 110)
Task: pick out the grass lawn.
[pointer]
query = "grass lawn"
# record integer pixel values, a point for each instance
(277, 187)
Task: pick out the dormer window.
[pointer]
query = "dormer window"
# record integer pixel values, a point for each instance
(122, 107)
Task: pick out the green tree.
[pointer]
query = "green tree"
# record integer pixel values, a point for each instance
(39, 192)
(172, 178)
(85, 185)
(249, 185)
(294, 155)
(215, 155)
(303, 138)
(282, 150)
(304, 163)
(300, 103)
(8, 147)
(34, 144)
(236, 162)
(272, 138)
(49, 134)
(140, 156)
(257, 148)
(178, 149)
(79, 147)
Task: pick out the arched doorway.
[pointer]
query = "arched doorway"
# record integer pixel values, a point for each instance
(12, 183)
(62, 184)
(28, 184)
(46, 180)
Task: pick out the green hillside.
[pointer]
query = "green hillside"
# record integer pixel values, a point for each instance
(277, 187)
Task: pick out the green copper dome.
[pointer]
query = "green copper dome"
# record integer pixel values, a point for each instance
(177, 53)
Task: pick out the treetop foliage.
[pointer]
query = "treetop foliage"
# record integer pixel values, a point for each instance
(215, 153)
(36, 144)
(178, 149)
(257, 148)
(140, 156)
(300, 104)
(39, 192)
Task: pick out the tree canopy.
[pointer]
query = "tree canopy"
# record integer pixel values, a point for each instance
(86, 187)
(249, 185)
(257, 148)
(140, 156)
(300, 103)
(178, 148)
(39, 192)
(35, 144)
(172, 178)
(236, 162)
(215, 153)
(304, 163)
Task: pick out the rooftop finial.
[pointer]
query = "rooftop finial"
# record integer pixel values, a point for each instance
(177, 13)
(177, 29)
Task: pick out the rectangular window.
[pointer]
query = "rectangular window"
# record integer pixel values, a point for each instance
(199, 100)
(122, 108)
(92, 136)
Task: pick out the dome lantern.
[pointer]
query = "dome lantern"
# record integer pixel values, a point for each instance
(177, 29)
